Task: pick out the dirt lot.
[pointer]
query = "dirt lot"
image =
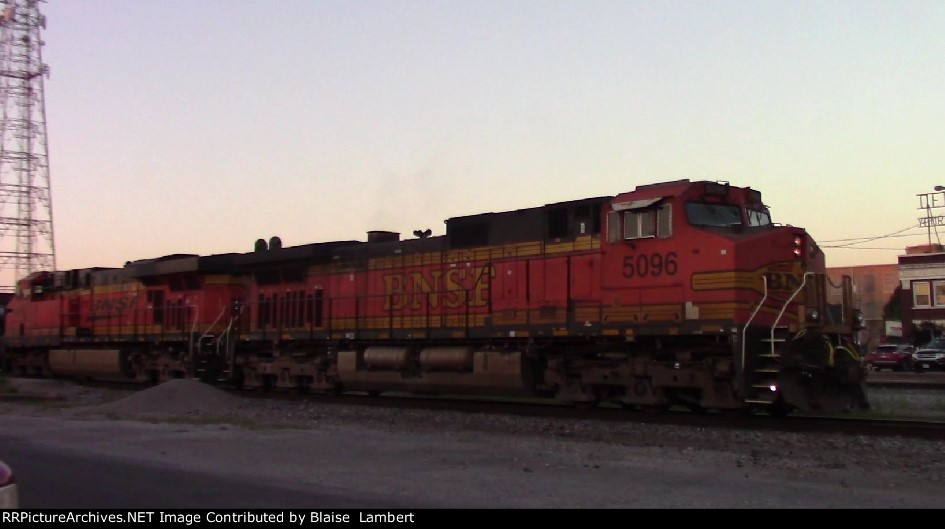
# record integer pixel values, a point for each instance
(455, 459)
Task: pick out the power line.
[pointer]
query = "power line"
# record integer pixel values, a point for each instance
(862, 248)
(870, 239)
(864, 238)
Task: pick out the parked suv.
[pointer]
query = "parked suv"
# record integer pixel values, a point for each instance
(930, 356)
(897, 357)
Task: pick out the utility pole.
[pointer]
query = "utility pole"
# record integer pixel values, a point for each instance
(26, 224)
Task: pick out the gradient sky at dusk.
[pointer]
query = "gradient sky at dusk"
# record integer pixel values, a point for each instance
(182, 126)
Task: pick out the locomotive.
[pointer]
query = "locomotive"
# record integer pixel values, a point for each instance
(675, 293)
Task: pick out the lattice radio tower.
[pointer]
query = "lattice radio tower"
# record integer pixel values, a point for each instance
(26, 226)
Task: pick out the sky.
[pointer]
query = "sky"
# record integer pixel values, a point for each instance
(186, 126)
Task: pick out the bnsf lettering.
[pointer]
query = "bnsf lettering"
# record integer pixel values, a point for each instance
(113, 305)
(653, 265)
(783, 281)
(454, 288)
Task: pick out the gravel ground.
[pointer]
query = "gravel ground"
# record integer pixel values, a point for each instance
(460, 459)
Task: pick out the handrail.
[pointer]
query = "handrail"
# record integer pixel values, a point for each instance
(225, 334)
(764, 280)
(207, 332)
(786, 303)
(844, 281)
(193, 329)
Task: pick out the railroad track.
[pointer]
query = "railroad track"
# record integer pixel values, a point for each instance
(906, 379)
(854, 424)
(847, 425)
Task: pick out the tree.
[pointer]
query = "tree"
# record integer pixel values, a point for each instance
(924, 332)
(892, 310)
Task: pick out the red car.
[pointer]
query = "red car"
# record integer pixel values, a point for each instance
(897, 357)
(8, 494)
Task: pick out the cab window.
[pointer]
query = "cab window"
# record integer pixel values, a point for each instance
(647, 223)
(703, 214)
(613, 226)
(758, 217)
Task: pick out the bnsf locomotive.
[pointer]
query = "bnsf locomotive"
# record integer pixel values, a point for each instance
(678, 293)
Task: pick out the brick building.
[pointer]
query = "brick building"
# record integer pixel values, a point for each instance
(922, 276)
(873, 287)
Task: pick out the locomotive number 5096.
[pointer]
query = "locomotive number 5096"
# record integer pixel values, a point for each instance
(654, 264)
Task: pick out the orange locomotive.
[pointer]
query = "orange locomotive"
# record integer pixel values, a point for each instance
(679, 293)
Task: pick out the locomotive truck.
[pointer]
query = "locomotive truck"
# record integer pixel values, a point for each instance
(677, 293)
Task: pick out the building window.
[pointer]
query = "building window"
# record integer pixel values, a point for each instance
(921, 296)
(938, 288)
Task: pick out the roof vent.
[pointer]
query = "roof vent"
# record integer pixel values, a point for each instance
(275, 243)
(261, 245)
(383, 236)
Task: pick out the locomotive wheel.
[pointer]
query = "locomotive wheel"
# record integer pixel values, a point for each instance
(301, 385)
(779, 409)
(238, 379)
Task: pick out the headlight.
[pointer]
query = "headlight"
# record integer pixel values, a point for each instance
(813, 315)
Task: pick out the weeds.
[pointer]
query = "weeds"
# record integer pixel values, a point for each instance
(5, 385)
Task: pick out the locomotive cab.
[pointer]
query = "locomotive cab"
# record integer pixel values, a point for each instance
(750, 290)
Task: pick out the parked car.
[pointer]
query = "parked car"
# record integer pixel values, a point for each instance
(9, 499)
(897, 357)
(930, 356)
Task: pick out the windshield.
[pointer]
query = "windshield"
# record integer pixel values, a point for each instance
(938, 343)
(700, 214)
(758, 217)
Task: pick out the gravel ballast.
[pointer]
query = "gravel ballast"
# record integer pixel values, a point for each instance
(480, 460)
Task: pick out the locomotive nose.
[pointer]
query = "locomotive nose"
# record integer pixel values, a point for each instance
(818, 375)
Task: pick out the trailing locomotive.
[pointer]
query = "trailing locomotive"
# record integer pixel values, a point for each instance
(677, 293)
